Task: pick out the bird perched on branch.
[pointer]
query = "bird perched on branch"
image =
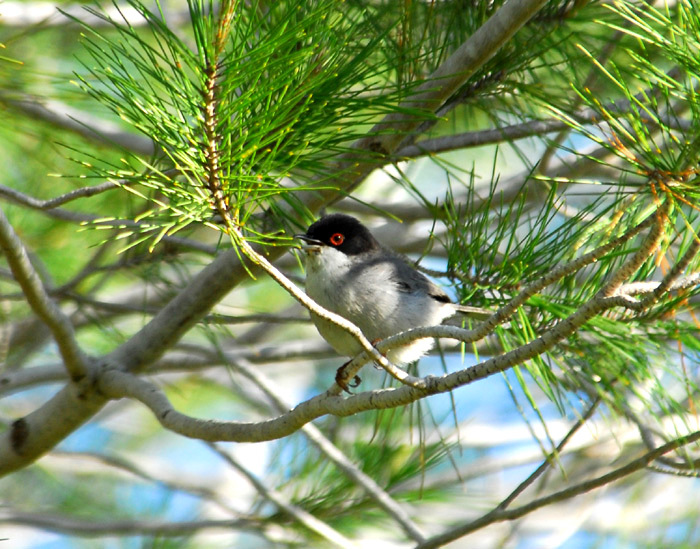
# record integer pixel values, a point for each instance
(351, 274)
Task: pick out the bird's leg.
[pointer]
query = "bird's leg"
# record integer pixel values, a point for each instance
(343, 383)
(340, 377)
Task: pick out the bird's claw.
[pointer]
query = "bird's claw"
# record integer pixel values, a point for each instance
(344, 383)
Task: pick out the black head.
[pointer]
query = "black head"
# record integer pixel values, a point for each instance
(342, 232)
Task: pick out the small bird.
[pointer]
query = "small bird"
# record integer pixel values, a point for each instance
(349, 273)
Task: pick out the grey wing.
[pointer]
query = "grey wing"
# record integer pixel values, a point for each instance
(411, 281)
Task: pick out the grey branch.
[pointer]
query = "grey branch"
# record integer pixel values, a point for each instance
(311, 305)
(297, 513)
(127, 467)
(567, 493)
(505, 312)
(117, 384)
(551, 458)
(143, 348)
(387, 135)
(52, 203)
(35, 434)
(91, 527)
(647, 248)
(50, 207)
(479, 138)
(226, 271)
(61, 328)
(182, 361)
(68, 118)
(28, 14)
(531, 128)
(316, 437)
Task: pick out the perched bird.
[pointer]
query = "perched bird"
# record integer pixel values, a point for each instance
(349, 273)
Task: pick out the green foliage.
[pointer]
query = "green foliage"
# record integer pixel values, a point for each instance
(252, 105)
(385, 456)
(253, 102)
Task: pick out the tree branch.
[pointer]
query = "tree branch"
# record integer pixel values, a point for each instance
(183, 361)
(531, 128)
(50, 208)
(647, 248)
(551, 457)
(61, 328)
(117, 384)
(118, 463)
(145, 350)
(297, 513)
(36, 433)
(568, 493)
(51, 203)
(333, 453)
(89, 127)
(92, 528)
(227, 270)
(386, 136)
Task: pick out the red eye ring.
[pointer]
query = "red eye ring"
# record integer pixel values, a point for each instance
(337, 239)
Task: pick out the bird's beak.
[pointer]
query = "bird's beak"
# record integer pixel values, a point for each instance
(308, 243)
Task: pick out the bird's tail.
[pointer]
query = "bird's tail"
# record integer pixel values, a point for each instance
(476, 313)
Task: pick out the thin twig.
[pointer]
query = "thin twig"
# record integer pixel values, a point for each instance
(643, 288)
(61, 328)
(330, 316)
(51, 203)
(215, 318)
(549, 459)
(99, 222)
(297, 513)
(567, 493)
(673, 472)
(176, 485)
(531, 128)
(54, 522)
(86, 125)
(182, 361)
(354, 473)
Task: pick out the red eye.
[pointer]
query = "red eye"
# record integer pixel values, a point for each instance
(337, 239)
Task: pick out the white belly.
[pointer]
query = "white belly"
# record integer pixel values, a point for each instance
(379, 311)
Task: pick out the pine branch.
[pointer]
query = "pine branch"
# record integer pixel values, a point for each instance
(65, 524)
(118, 384)
(131, 468)
(74, 359)
(648, 247)
(87, 126)
(50, 208)
(531, 128)
(333, 454)
(386, 136)
(30, 437)
(554, 456)
(573, 491)
(52, 203)
(297, 513)
(188, 360)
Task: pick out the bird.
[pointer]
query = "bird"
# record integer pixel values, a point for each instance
(348, 272)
